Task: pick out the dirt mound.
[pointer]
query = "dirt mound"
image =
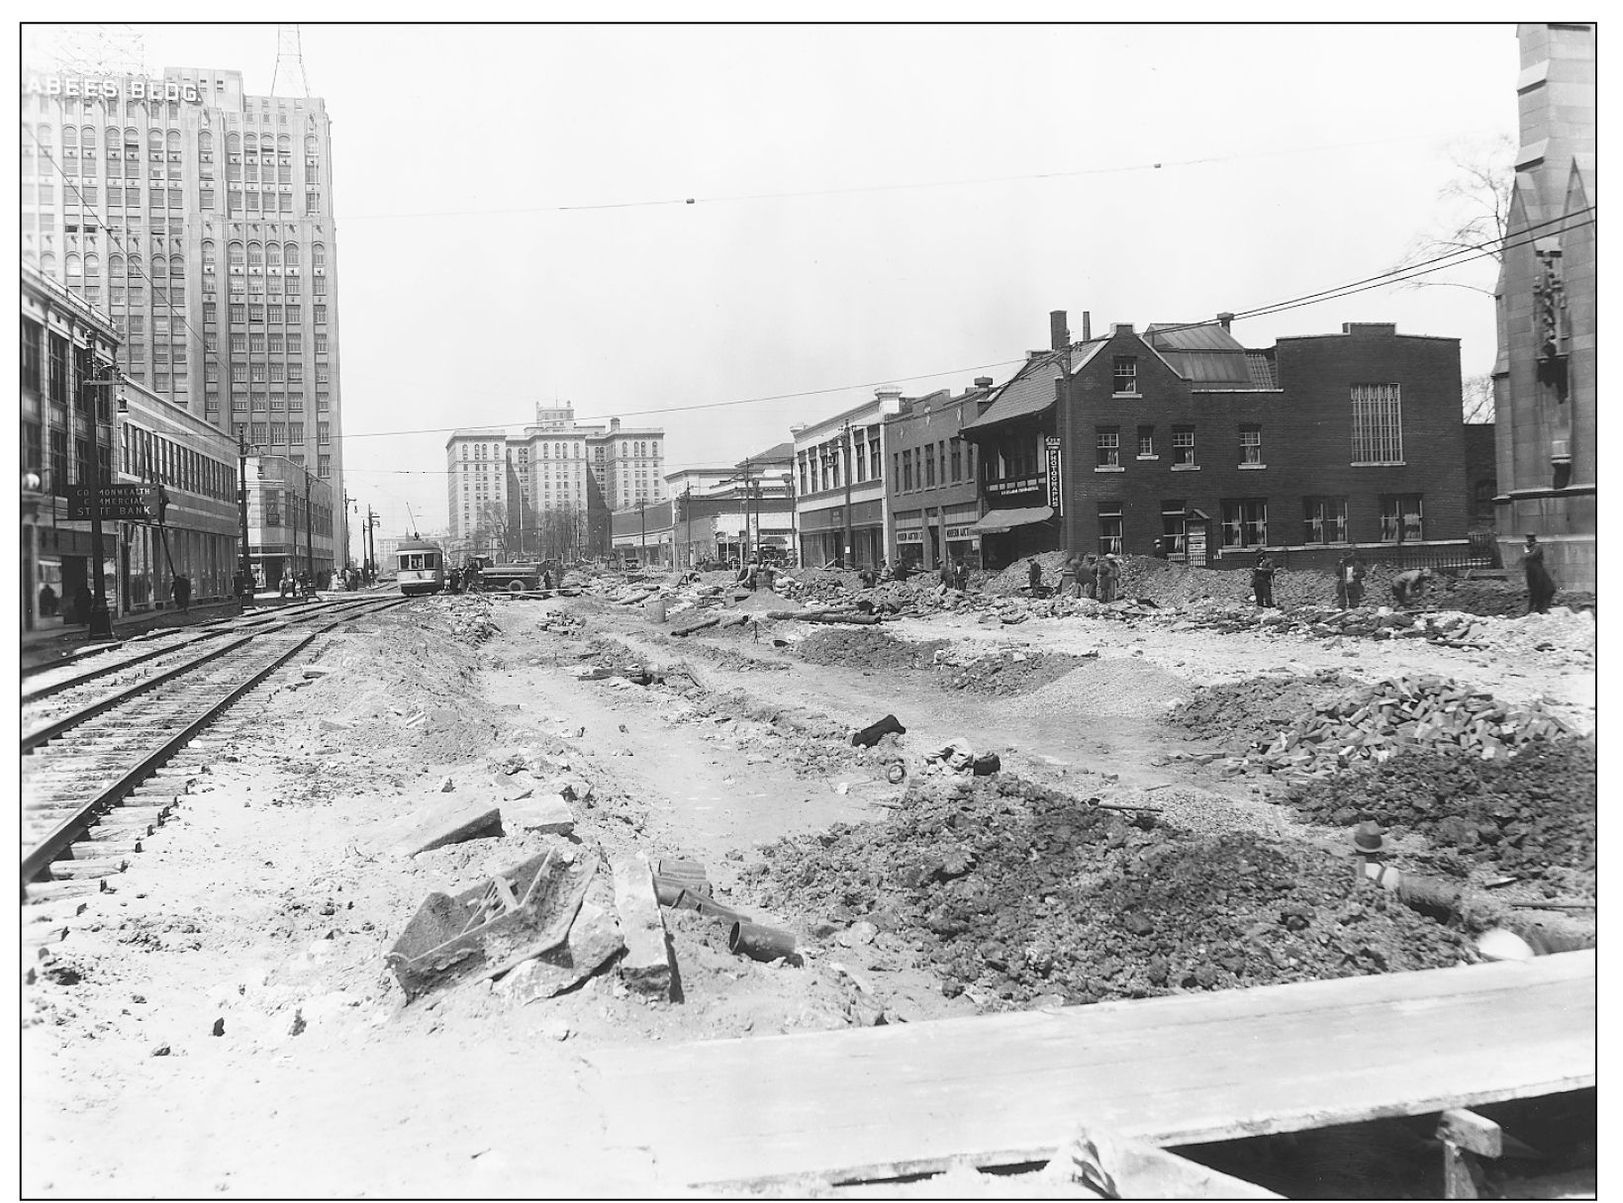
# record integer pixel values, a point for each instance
(867, 647)
(1531, 812)
(1006, 673)
(1018, 892)
(1243, 713)
(1113, 687)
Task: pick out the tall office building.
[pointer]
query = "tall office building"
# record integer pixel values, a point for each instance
(201, 220)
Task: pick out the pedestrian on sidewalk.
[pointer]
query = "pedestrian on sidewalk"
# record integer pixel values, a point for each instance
(48, 601)
(1262, 580)
(1540, 584)
(181, 587)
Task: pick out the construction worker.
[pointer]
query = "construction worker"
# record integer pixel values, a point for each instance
(1540, 585)
(1408, 586)
(1262, 580)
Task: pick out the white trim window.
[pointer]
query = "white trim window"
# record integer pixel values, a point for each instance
(1108, 444)
(1377, 424)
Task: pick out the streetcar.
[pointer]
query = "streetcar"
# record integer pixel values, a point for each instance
(419, 567)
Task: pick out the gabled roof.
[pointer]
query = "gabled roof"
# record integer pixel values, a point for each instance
(1031, 390)
(1206, 355)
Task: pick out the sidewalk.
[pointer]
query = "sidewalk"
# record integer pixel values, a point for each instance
(52, 641)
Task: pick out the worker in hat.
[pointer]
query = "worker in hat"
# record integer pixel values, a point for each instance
(1262, 580)
(1109, 577)
(1540, 585)
(1408, 586)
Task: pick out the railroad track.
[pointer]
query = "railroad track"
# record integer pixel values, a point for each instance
(89, 745)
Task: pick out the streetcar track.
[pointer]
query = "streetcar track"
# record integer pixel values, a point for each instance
(71, 785)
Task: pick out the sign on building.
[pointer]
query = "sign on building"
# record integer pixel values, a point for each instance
(119, 503)
(1055, 492)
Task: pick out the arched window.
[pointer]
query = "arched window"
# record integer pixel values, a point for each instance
(132, 138)
(70, 136)
(47, 263)
(173, 140)
(115, 266)
(160, 267)
(273, 254)
(154, 139)
(115, 137)
(92, 265)
(318, 254)
(233, 143)
(75, 265)
(87, 139)
(135, 264)
(205, 142)
(234, 254)
(311, 144)
(284, 144)
(177, 265)
(256, 255)
(250, 143)
(292, 251)
(208, 252)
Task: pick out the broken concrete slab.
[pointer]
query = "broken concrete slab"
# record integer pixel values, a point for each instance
(594, 939)
(548, 814)
(447, 823)
(646, 966)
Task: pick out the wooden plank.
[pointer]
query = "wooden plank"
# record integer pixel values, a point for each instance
(1129, 1169)
(1178, 1070)
(1471, 1131)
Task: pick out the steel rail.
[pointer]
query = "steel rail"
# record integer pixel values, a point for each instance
(60, 838)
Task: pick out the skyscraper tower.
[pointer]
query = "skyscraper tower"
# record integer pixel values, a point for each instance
(201, 220)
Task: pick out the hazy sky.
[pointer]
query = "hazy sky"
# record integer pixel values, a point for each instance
(898, 204)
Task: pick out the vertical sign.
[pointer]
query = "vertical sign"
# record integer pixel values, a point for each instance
(1055, 492)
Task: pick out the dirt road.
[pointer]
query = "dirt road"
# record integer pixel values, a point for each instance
(263, 911)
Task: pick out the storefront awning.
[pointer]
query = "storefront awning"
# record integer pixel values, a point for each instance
(1002, 520)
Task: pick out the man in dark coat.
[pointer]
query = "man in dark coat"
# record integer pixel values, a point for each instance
(181, 587)
(1262, 580)
(1540, 585)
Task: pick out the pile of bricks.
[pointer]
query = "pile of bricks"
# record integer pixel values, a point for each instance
(1412, 712)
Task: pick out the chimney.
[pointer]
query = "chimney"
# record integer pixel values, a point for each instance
(1087, 326)
(1225, 320)
(1121, 328)
(983, 382)
(890, 401)
(1059, 337)
(614, 424)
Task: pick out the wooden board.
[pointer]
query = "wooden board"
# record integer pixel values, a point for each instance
(1169, 1071)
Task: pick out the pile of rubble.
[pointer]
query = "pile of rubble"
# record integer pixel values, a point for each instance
(1528, 814)
(470, 618)
(1018, 893)
(1411, 712)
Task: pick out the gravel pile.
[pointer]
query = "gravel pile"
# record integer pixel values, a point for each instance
(1113, 687)
(1242, 713)
(1527, 814)
(1017, 892)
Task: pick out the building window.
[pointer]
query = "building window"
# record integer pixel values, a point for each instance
(323, 433)
(1324, 519)
(1107, 443)
(1146, 442)
(1251, 444)
(907, 469)
(1175, 527)
(1183, 446)
(929, 467)
(1377, 424)
(957, 455)
(1402, 518)
(1245, 522)
(1124, 379)
(1110, 528)
(323, 466)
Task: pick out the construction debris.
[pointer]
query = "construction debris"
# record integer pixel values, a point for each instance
(449, 823)
(874, 732)
(646, 966)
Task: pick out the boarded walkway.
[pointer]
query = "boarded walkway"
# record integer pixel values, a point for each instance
(1178, 1070)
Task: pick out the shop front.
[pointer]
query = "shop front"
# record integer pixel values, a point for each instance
(823, 531)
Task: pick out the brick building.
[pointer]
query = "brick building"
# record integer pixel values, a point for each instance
(1545, 388)
(840, 502)
(1183, 440)
(934, 502)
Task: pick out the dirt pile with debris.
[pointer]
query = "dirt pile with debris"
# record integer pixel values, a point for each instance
(867, 647)
(1019, 892)
(1526, 814)
(1240, 713)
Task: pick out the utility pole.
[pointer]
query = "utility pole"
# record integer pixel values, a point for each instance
(309, 537)
(687, 509)
(245, 573)
(745, 555)
(92, 378)
(643, 562)
(849, 454)
(371, 549)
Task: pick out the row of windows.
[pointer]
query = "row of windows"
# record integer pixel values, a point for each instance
(828, 465)
(153, 457)
(922, 467)
(128, 138)
(1244, 522)
(1107, 444)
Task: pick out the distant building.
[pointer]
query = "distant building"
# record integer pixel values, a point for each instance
(840, 485)
(290, 520)
(1181, 440)
(1545, 389)
(549, 491)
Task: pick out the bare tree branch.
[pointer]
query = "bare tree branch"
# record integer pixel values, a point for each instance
(1474, 208)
